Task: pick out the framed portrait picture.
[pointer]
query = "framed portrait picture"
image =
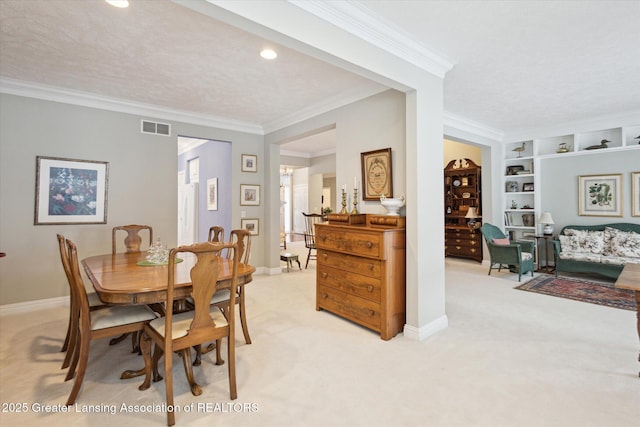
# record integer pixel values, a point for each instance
(249, 195)
(635, 193)
(70, 191)
(252, 225)
(600, 195)
(249, 163)
(527, 186)
(212, 194)
(376, 174)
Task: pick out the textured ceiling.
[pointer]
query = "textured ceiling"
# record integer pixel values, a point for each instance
(518, 64)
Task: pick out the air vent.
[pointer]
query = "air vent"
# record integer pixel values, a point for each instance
(155, 128)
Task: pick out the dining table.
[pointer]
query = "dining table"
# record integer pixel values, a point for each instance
(129, 278)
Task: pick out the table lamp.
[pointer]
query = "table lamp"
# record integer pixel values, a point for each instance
(547, 221)
(471, 215)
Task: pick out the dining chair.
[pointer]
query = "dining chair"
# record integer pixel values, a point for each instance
(216, 234)
(310, 234)
(178, 332)
(92, 297)
(132, 243)
(133, 240)
(242, 238)
(92, 325)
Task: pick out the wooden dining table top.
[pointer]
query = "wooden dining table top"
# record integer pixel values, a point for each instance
(118, 279)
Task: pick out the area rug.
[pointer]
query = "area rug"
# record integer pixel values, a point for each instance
(581, 290)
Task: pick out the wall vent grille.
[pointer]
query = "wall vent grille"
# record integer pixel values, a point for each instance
(155, 128)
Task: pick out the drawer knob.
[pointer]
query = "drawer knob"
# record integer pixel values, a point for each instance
(324, 256)
(458, 247)
(325, 296)
(370, 288)
(371, 312)
(370, 266)
(369, 245)
(323, 238)
(324, 275)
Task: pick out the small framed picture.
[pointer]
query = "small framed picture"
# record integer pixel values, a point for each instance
(377, 175)
(70, 191)
(600, 195)
(252, 225)
(212, 194)
(249, 195)
(635, 193)
(249, 163)
(527, 186)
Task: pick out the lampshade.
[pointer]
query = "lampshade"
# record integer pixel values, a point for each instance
(545, 218)
(472, 213)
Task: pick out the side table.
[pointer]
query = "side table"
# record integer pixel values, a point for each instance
(289, 258)
(544, 239)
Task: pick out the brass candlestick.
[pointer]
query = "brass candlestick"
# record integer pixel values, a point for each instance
(344, 202)
(354, 211)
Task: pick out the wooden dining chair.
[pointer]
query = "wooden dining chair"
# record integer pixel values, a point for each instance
(94, 303)
(310, 234)
(133, 240)
(242, 238)
(178, 332)
(216, 234)
(92, 325)
(132, 244)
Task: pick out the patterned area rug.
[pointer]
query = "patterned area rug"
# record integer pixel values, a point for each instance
(581, 290)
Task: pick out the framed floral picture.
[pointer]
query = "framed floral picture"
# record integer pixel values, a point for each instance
(600, 195)
(249, 163)
(70, 191)
(635, 193)
(252, 225)
(249, 195)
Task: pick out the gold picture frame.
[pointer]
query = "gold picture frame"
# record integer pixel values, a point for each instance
(377, 174)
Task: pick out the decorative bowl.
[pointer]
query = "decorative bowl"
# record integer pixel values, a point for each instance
(392, 205)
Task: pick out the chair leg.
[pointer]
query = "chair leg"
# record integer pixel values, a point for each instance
(168, 384)
(308, 256)
(83, 356)
(243, 316)
(145, 349)
(196, 390)
(116, 340)
(73, 343)
(231, 355)
(65, 346)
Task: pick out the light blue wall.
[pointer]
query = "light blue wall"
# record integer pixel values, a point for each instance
(215, 162)
(559, 179)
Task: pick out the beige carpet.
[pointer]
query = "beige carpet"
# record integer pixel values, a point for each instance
(508, 358)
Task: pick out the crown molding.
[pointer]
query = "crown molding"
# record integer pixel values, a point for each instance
(352, 95)
(624, 119)
(458, 126)
(357, 19)
(313, 155)
(50, 93)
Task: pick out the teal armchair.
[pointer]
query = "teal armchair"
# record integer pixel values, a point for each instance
(517, 256)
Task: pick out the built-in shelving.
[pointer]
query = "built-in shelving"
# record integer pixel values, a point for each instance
(526, 155)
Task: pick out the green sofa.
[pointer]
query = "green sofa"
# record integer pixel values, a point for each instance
(601, 249)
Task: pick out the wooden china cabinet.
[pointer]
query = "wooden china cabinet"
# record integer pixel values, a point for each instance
(462, 193)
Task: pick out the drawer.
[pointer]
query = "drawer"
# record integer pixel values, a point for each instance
(461, 250)
(367, 266)
(359, 310)
(355, 241)
(462, 242)
(351, 283)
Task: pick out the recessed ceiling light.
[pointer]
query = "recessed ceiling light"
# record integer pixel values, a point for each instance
(268, 54)
(118, 3)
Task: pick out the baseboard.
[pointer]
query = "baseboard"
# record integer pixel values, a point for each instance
(29, 306)
(432, 328)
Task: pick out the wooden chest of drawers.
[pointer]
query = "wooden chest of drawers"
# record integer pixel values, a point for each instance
(463, 243)
(361, 275)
